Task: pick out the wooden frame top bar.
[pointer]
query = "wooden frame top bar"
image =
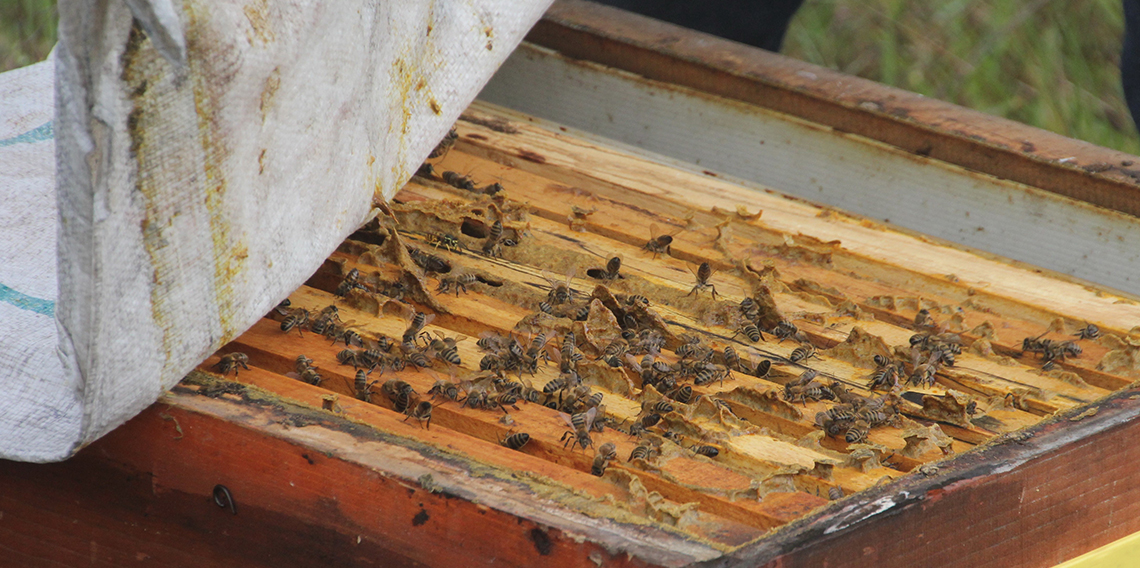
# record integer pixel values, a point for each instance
(924, 126)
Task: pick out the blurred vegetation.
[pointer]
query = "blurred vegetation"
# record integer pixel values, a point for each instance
(1051, 64)
(27, 31)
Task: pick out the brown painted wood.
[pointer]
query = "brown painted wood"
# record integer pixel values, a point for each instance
(144, 492)
(1059, 490)
(1010, 150)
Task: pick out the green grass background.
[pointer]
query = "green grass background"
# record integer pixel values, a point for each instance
(1049, 63)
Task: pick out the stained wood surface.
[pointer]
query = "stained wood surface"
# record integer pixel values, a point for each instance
(852, 287)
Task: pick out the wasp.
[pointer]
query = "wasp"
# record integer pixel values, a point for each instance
(515, 441)
(446, 240)
(231, 362)
(658, 243)
(580, 425)
(703, 273)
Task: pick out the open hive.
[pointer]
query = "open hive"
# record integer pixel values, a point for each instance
(862, 354)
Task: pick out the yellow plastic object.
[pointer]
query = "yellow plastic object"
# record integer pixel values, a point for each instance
(1124, 553)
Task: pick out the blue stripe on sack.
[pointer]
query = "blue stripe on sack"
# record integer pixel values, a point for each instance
(26, 302)
(37, 134)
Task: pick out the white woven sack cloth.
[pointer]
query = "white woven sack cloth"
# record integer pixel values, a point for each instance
(208, 156)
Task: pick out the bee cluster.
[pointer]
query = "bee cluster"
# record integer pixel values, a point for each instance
(853, 417)
(1052, 351)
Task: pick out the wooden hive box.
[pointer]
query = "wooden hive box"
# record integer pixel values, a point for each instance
(974, 463)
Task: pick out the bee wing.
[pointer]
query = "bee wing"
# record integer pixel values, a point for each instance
(590, 414)
(654, 231)
(549, 279)
(566, 418)
(428, 319)
(458, 338)
(633, 364)
(570, 275)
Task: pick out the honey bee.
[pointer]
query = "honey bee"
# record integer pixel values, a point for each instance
(425, 170)
(802, 352)
(349, 283)
(306, 371)
(761, 368)
(491, 245)
(458, 181)
(325, 322)
(560, 292)
(923, 319)
(785, 330)
(750, 331)
(231, 362)
(446, 240)
(659, 407)
(594, 400)
(446, 348)
(885, 378)
(492, 189)
(1089, 331)
(703, 273)
(445, 145)
(582, 313)
(445, 389)
(707, 451)
(658, 243)
(580, 425)
(605, 453)
(858, 432)
(835, 493)
(515, 441)
(422, 413)
(456, 282)
(636, 300)
(750, 310)
(682, 394)
(577, 217)
(296, 319)
(731, 358)
(363, 387)
(416, 325)
(349, 357)
(640, 452)
(490, 341)
(429, 262)
(610, 272)
(418, 360)
(400, 393)
(802, 393)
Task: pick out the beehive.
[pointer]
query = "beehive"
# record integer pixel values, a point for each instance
(850, 288)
